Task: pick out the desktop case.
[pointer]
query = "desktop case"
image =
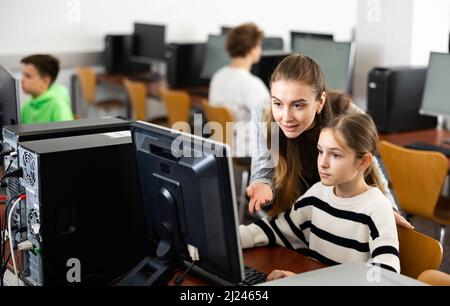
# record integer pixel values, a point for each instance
(184, 64)
(117, 53)
(83, 203)
(14, 134)
(394, 99)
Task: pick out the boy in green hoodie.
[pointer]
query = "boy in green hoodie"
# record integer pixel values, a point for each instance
(49, 102)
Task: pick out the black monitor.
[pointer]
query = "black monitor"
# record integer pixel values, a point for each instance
(189, 199)
(436, 96)
(295, 34)
(335, 58)
(216, 56)
(149, 41)
(266, 66)
(272, 44)
(225, 29)
(9, 98)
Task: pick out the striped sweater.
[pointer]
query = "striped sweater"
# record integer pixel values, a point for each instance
(333, 230)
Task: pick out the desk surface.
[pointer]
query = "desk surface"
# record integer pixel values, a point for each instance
(348, 274)
(197, 93)
(266, 259)
(432, 136)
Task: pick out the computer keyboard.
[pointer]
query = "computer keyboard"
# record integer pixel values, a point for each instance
(428, 147)
(253, 276)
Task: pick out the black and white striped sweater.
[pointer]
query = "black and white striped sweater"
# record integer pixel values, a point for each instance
(333, 230)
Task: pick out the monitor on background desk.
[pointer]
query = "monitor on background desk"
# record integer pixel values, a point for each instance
(436, 96)
(216, 56)
(9, 98)
(335, 58)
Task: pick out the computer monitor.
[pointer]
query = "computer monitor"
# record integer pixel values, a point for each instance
(189, 199)
(225, 29)
(267, 63)
(335, 58)
(272, 44)
(9, 98)
(149, 41)
(296, 34)
(436, 96)
(216, 56)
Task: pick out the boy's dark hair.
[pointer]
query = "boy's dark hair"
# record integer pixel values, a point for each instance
(242, 39)
(45, 64)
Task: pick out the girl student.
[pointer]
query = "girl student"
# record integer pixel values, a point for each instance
(345, 217)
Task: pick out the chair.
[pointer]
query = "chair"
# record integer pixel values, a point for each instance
(417, 178)
(88, 83)
(435, 278)
(137, 93)
(418, 252)
(222, 115)
(178, 106)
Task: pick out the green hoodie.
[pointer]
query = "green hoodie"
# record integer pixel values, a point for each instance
(52, 105)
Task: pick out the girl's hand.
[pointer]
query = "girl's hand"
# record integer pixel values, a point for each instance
(277, 274)
(401, 221)
(259, 194)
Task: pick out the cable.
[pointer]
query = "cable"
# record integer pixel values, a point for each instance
(14, 173)
(180, 278)
(6, 152)
(11, 237)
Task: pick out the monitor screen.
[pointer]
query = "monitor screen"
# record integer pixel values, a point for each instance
(266, 66)
(216, 56)
(296, 34)
(9, 98)
(272, 43)
(436, 96)
(225, 29)
(187, 187)
(335, 58)
(149, 41)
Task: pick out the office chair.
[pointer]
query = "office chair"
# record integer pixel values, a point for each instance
(137, 93)
(223, 115)
(88, 83)
(178, 105)
(417, 178)
(418, 252)
(434, 278)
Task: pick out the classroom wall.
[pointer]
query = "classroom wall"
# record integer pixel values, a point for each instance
(80, 25)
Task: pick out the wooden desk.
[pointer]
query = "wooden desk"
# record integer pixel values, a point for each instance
(154, 88)
(266, 259)
(432, 136)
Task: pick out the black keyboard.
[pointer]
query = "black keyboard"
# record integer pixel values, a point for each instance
(428, 147)
(253, 276)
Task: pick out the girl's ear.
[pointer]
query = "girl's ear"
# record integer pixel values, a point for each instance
(366, 161)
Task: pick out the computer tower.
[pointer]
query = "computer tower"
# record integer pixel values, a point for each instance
(394, 97)
(15, 134)
(184, 64)
(118, 50)
(83, 205)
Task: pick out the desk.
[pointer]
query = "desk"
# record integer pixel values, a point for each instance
(432, 136)
(266, 259)
(197, 94)
(347, 274)
(154, 88)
